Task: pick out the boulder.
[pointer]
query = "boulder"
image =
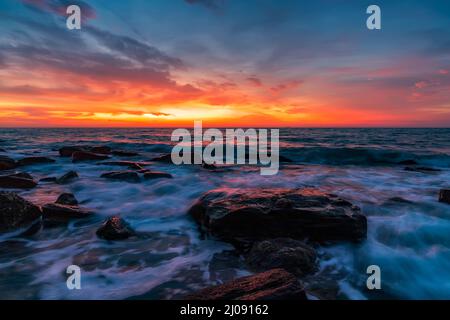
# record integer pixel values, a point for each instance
(16, 212)
(129, 164)
(78, 156)
(444, 196)
(67, 199)
(22, 175)
(68, 151)
(259, 214)
(275, 284)
(100, 150)
(67, 177)
(34, 160)
(55, 212)
(149, 175)
(6, 163)
(291, 255)
(129, 176)
(17, 181)
(122, 153)
(115, 228)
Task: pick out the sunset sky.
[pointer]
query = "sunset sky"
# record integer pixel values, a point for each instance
(227, 62)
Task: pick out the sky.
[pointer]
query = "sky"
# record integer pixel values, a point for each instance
(228, 63)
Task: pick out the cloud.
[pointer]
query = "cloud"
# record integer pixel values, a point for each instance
(255, 81)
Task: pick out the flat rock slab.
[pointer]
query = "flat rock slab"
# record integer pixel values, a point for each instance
(275, 284)
(6, 163)
(260, 214)
(149, 175)
(62, 213)
(34, 160)
(123, 153)
(16, 212)
(17, 181)
(128, 176)
(78, 156)
(129, 164)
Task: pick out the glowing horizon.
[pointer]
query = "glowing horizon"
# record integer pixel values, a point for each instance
(225, 62)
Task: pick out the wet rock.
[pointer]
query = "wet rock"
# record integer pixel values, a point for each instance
(22, 175)
(100, 150)
(275, 284)
(67, 199)
(48, 179)
(408, 162)
(34, 160)
(6, 163)
(2, 150)
(234, 214)
(444, 196)
(129, 164)
(291, 255)
(67, 178)
(16, 212)
(421, 169)
(149, 175)
(129, 176)
(87, 156)
(284, 159)
(68, 151)
(166, 158)
(115, 228)
(208, 166)
(17, 181)
(55, 212)
(122, 153)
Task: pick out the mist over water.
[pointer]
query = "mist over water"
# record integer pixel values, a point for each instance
(408, 229)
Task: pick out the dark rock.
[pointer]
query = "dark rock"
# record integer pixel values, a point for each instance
(408, 162)
(234, 214)
(421, 169)
(16, 212)
(2, 150)
(48, 179)
(17, 181)
(291, 255)
(22, 175)
(68, 151)
(122, 153)
(156, 175)
(87, 156)
(68, 177)
(129, 176)
(68, 199)
(62, 213)
(275, 284)
(101, 150)
(115, 228)
(129, 164)
(284, 159)
(208, 166)
(444, 196)
(34, 160)
(6, 163)
(166, 158)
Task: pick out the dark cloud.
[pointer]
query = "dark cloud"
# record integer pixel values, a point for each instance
(255, 81)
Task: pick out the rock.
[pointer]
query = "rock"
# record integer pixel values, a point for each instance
(34, 160)
(258, 214)
(55, 212)
(275, 284)
(68, 199)
(48, 179)
(166, 158)
(444, 196)
(68, 151)
(17, 181)
(16, 212)
(291, 255)
(208, 166)
(122, 153)
(284, 159)
(2, 150)
(115, 228)
(421, 169)
(22, 175)
(129, 176)
(149, 175)
(87, 156)
(6, 163)
(68, 177)
(100, 150)
(408, 162)
(129, 164)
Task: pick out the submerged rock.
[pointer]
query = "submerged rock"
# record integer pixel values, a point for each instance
(291, 255)
(149, 175)
(101, 150)
(275, 284)
(17, 181)
(68, 177)
(122, 153)
(115, 228)
(68, 151)
(129, 176)
(408, 162)
(87, 156)
(34, 160)
(55, 212)
(166, 158)
(16, 212)
(421, 169)
(2, 150)
(6, 163)
(252, 214)
(48, 179)
(129, 164)
(67, 199)
(444, 196)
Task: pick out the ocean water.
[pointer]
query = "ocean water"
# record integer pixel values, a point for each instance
(408, 229)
